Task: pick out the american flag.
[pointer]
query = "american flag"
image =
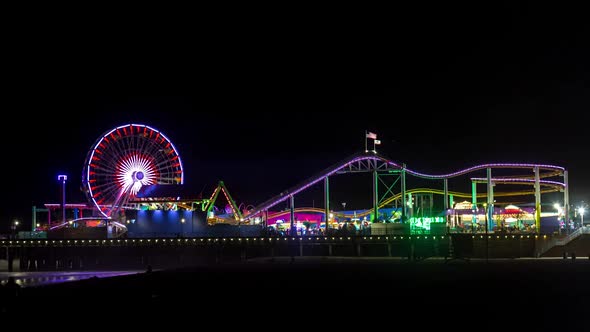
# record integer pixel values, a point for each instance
(371, 135)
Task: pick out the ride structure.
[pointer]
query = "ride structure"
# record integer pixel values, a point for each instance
(125, 159)
(119, 164)
(380, 167)
(235, 211)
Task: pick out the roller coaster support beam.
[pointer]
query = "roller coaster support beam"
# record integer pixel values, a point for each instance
(292, 214)
(446, 199)
(404, 204)
(566, 200)
(490, 211)
(474, 202)
(327, 202)
(446, 194)
(537, 200)
(375, 196)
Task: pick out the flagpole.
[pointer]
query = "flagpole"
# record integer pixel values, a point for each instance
(366, 142)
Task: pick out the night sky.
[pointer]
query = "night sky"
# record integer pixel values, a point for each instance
(264, 106)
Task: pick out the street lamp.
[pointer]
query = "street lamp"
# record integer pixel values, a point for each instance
(581, 211)
(14, 226)
(63, 179)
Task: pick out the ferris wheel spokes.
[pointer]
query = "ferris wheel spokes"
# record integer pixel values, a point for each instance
(125, 159)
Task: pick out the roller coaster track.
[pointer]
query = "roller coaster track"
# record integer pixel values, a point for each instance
(368, 162)
(410, 191)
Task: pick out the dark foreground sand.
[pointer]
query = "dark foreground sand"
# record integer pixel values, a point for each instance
(539, 294)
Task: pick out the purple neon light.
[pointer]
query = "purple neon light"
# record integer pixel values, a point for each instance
(286, 195)
(471, 169)
(106, 136)
(546, 182)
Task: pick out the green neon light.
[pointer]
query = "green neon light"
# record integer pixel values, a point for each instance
(422, 225)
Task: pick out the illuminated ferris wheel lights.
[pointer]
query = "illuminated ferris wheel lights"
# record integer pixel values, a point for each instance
(125, 159)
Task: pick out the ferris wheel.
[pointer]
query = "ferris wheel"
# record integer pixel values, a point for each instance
(123, 160)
